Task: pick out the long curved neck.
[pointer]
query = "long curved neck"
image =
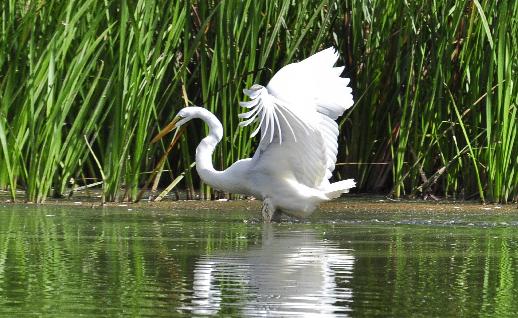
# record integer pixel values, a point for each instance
(206, 148)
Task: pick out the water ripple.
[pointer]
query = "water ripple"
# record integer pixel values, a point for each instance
(105, 263)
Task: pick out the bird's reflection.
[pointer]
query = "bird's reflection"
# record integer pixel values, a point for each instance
(290, 273)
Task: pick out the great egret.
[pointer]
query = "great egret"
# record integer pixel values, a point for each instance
(296, 156)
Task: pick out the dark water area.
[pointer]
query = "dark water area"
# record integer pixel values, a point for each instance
(59, 261)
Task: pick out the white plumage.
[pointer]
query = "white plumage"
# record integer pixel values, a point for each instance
(296, 114)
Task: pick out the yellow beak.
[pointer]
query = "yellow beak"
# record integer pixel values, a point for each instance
(167, 129)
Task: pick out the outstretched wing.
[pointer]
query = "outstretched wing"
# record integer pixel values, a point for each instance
(298, 109)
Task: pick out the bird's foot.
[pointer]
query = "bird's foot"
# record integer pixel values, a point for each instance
(269, 212)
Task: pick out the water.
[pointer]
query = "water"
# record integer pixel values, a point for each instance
(67, 261)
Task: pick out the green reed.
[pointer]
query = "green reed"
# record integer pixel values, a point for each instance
(438, 97)
(85, 85)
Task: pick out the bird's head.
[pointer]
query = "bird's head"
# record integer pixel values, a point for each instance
(183, 116)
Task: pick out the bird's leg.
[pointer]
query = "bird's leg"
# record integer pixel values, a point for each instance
(269, 211)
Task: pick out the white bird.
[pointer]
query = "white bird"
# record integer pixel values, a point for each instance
(296, 156)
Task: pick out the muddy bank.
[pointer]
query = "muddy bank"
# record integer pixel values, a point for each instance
(372, 204)
(346, 203)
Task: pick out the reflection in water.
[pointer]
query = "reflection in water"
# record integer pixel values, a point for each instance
(290, 273)
(62, 262)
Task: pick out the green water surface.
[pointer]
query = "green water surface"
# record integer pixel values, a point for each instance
(131, 262)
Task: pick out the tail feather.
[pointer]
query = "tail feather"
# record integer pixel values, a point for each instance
(334, 190)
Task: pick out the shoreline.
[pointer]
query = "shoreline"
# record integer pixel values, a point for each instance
(347, 203)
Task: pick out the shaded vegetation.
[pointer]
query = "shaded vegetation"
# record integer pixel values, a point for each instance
(85, 85)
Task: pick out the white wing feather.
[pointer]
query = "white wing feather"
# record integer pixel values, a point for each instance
(298, 109)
